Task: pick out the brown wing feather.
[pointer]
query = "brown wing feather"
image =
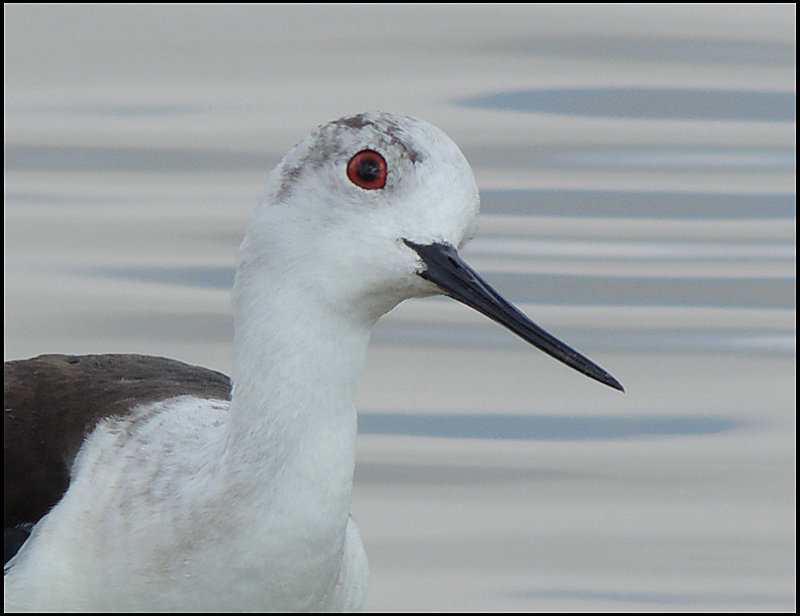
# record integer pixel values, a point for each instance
(52, 402)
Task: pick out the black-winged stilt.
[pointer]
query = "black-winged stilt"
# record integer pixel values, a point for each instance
(148, 488)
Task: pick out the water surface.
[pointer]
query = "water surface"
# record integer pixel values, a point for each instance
(637, 170)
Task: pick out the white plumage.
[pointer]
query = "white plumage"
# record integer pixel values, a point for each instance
(191, 502)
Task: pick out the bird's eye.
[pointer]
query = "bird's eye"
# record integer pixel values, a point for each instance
(367, 169)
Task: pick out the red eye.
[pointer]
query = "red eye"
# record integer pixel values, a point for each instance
(367, 169)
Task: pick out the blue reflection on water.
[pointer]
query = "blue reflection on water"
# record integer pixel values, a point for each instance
(647, 103)
(639, 204)
(539, 427)
(194, 276)
(664, 598)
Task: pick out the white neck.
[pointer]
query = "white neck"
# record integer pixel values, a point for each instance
(292, 426)
(296, 374)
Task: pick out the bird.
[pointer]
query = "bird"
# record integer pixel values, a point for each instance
(144, 483)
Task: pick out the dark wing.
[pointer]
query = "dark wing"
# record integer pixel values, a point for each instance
(52, 402)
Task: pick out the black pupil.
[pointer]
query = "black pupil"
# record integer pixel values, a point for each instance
(368, 170)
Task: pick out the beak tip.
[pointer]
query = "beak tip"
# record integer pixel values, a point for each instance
(615, 384)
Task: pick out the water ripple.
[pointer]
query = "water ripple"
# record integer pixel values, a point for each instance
(538, 427)
(647, 103)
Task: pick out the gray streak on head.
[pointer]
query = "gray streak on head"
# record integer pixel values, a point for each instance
(378, 130)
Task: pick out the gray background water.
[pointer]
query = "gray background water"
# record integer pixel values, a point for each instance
(637, 168)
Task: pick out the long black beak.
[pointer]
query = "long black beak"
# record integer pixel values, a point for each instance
(445, 268)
